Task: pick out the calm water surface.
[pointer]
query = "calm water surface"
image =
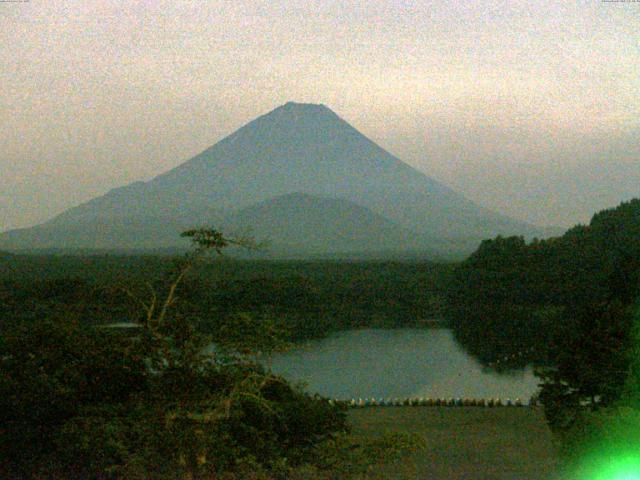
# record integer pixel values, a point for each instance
(396, 363)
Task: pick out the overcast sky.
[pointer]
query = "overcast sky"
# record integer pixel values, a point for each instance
(529, 107)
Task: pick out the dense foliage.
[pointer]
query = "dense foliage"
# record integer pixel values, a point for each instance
(83, 402)
(150, 398)
(605, 442)
(566, 304)
(311, 298)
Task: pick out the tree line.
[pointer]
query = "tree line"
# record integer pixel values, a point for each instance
(566, 304)
(310, 299)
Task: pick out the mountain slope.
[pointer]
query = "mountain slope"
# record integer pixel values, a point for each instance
(295, 148)
(300, 222)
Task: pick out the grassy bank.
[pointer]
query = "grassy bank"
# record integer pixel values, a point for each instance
(465, 443)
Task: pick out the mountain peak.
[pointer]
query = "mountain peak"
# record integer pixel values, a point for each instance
(305, 106)
(310, 122)
(304, 109)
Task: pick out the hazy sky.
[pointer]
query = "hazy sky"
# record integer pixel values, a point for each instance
(529, 107)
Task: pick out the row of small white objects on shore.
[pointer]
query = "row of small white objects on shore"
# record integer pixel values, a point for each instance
(433, 402)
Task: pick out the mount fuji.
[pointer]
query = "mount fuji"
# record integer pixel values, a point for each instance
(300, 176)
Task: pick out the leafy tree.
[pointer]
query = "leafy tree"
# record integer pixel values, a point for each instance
(590, 362)
(52, 370)
(497, 306)
(149, 400)
(565, 304)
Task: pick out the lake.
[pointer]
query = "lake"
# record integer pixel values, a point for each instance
(397, 363)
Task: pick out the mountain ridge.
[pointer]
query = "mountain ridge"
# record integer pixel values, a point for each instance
(296, 147)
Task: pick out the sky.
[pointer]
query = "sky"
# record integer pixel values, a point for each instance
(531, 108)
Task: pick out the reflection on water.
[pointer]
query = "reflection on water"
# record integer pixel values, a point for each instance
(397, 363)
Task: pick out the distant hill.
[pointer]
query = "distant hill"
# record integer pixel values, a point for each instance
(300, 222)
(295, 148)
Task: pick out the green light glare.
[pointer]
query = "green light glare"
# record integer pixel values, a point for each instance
(624, 467)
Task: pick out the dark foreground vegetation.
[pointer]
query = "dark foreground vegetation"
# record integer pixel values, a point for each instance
(569, 305)
(81, 400)
(148, 399)
(309, 299)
